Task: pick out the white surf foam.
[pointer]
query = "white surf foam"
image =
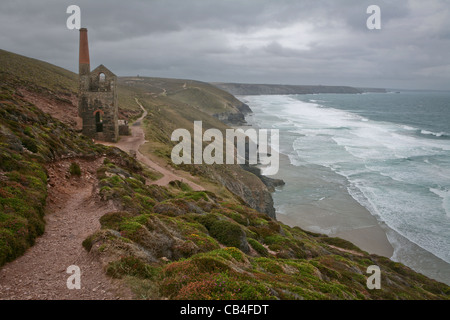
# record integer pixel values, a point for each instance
(390, 169)
(436, 134)
(445, 196)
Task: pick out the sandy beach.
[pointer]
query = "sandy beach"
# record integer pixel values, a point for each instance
(338, 215)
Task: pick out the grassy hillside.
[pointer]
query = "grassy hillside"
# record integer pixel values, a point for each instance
(200, 95)
(29, 139)
(60, 86)
(53, 89)
(44, 87)
(36, 74)
(171, 242)
(174, 243)
(58, 96)
(164, 116)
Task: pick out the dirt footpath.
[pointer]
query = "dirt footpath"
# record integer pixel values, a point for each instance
(72, 214)
(134, 142)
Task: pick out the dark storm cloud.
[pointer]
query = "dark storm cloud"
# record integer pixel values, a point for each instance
(283, 41)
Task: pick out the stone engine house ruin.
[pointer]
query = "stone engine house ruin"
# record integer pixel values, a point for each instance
(97, 99)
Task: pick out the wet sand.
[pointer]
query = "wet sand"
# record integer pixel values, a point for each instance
(337, 214)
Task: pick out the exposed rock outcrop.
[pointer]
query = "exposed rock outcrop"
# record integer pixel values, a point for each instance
(231, 118)
(235, 118)
(249, 187)
(270, 183)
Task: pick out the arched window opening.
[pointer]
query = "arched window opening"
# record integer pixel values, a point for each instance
(98, 122)
(101, 77)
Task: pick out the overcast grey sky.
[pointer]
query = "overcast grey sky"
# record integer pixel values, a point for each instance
(255, 41)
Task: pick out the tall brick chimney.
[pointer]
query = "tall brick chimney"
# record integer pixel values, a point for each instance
(84, 63)
(84, 70)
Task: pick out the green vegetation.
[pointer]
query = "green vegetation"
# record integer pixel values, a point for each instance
(172, 242)
(182, 248)
(37, 75)
(74, 169)
(200, 95)
(29, 139)
(130, 266)
(258, 247)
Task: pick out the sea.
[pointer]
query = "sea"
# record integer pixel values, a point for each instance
(392, 150)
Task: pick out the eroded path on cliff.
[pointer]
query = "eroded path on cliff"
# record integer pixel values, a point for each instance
(72, 213)
(136, 140)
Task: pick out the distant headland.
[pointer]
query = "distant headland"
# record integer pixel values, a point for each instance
(269, 89)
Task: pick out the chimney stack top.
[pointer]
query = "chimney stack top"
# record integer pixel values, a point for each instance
(84, 48)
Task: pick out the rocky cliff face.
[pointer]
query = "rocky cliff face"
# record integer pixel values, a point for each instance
(237, 117)
(270, 183)
(247, 182)
(244, 108)
(251, 190)
(231, 118)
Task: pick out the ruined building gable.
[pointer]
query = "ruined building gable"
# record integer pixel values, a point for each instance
(102, 80)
